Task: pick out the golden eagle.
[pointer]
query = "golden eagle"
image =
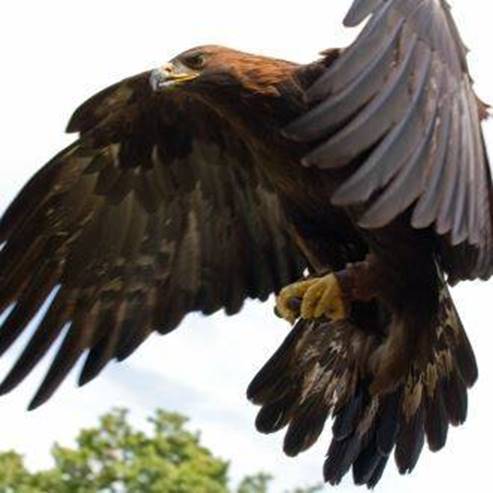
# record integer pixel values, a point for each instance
(356, 188)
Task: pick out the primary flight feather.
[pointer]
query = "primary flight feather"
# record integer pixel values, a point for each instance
(355, 188)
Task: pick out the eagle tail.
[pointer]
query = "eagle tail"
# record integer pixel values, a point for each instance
(322, 370)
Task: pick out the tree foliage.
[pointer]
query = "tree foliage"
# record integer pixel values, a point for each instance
(116, 458)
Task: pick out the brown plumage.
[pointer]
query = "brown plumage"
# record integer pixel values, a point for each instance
(223, 176)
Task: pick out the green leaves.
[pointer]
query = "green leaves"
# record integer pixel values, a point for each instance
(114, 457)
(15, 478)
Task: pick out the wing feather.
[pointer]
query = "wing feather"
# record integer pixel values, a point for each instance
(158, 210)
(403, 88)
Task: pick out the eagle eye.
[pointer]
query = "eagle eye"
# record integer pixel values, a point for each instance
(195, 61)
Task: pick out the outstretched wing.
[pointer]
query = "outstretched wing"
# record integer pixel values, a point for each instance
(398, 107)
(156, 211)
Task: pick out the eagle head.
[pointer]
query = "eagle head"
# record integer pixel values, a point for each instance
(208, 68)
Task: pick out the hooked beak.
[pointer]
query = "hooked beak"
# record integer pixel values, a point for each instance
(170, 75)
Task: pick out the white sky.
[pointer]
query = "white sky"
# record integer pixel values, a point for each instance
(57, 53)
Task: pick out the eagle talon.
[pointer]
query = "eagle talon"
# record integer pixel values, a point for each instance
(311, 299)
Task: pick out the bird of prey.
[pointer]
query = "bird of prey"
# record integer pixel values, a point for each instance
(356, 188)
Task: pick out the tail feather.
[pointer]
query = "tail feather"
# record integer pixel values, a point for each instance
(322, 369)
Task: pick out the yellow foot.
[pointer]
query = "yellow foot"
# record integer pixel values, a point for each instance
(319, 297)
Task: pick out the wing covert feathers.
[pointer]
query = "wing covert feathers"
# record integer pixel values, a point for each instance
(321, 371)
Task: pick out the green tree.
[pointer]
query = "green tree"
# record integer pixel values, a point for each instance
(258, 483)
(116, 458)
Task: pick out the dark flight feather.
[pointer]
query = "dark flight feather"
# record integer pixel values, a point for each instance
(144, 219)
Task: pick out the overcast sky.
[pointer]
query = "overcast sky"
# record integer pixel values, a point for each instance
(57, 53)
